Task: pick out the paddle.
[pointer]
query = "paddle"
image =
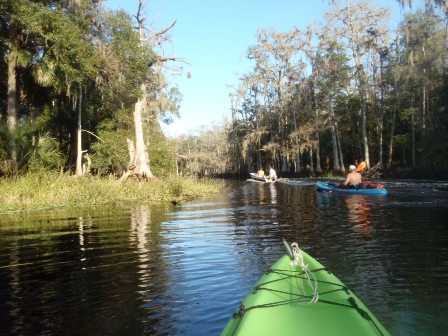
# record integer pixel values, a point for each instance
(361, 166)
(371, 184)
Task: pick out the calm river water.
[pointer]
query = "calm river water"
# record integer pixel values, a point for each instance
(142, 270)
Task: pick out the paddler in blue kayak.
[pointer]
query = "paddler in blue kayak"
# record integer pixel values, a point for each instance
(353, 179)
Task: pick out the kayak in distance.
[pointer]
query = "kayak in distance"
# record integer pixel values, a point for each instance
(258, 178)
(300, 297)
(365, 188)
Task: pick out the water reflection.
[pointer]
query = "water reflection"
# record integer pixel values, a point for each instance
(359, 212)
(273, 193)
(182, 271)
(138, 236)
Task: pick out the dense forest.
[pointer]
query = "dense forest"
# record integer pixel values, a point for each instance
(84, 91)
(344, 91)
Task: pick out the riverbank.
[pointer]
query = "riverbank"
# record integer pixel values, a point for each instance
(34, 192)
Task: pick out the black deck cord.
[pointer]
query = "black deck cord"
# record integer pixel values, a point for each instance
(242, 309)
(286, 276)
(303, 296)
(364, 314)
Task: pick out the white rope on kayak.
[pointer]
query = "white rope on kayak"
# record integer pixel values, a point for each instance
(298, 261)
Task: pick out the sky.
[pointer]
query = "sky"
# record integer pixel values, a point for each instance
(212, 37)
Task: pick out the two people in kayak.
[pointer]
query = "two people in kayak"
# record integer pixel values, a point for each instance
(272, 174)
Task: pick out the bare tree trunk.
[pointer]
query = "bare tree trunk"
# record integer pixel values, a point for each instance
(392, 130)
(284, 165)
(424, 89)
(338, 140)
(317, 146)
(391, 142)
(312, 172)
(12, 105)
(363, 95)
(413, 138)
(78, 136)
(315, 72)
(139, 162)
(365, 141)
(294, 162)
(425, 112)
(334, 141)
(336, 166)
(380, 142)
(381, 122)
(86, 164)
(318, 159)
(141, 158)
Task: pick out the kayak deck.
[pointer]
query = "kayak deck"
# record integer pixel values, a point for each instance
(329, 186)
(280, 305)
(259, 178)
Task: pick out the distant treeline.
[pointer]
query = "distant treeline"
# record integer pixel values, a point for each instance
(345, 91)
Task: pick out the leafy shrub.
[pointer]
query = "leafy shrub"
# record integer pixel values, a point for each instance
(111, 152)
(45, 155)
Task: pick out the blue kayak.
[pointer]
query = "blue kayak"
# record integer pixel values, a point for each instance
(365, 189)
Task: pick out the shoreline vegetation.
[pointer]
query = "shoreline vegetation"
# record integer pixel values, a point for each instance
(39, 191)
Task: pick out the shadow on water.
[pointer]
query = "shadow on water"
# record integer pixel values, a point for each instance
(89, 273)
(183, 270)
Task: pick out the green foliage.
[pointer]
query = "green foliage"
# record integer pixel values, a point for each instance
(21, 137)
(110, 155)
(436, 153)
(35, 152)
(161, 153)
(171, 108)
(63, 47)
(5, 139)
(125, 60)
(63, 54)
(45, 155)
(402, 140)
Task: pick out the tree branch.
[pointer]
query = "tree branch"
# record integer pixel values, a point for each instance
(163, 32)
(168, 58)
(83, 130)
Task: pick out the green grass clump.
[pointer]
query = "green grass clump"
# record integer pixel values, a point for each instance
(41, 191)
